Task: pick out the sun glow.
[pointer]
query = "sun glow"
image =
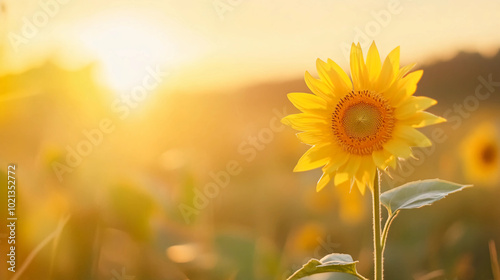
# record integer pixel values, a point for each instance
(127, 48)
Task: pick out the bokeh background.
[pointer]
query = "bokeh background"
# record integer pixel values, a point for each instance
(148, 145)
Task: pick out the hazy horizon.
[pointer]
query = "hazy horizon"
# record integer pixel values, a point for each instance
(209, 44)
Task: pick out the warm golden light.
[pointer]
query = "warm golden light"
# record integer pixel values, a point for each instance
(183, 253)
(147, 139)
(127, 48)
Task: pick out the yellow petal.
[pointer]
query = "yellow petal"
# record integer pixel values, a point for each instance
(305, 122)
(314, 137)
(412, 136)
(373, 62)
(315, 157)
(351, 166)
(307, 102)
(348, 171)
(339, 158)
(381, 158)
(328, 174)
(318, 87)
(421, 119)
(404, 70)
(323, 181)
(366, 173)
(329, 171)
(340, 178)
(335, 77)
(323, 72)
(359, 72)
(412, 105)
(398, 148)
(361, 186)
(389, 71)
(422, 102)
(391, 159)
(407, 87)
(339, 77)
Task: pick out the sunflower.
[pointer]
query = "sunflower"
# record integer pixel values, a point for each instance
(356, 125)
(481, 154)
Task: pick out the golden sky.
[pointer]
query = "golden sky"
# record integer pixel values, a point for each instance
(214, 43)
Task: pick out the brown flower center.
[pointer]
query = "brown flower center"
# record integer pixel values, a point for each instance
(362, 122)
(488, 154)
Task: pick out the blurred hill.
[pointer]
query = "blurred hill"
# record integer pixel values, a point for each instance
(446, 81)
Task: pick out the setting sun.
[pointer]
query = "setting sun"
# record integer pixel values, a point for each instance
(125, 48)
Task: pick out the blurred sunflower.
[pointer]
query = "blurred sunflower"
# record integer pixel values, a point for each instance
(480, 153)
(356, 126)
(305, 238)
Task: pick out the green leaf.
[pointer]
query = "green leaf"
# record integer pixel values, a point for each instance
(330, 263)
(418, 193)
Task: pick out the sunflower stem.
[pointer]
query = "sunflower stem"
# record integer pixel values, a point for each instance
(377, 237)
(385, 231)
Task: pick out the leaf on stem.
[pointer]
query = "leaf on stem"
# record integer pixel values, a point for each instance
(330, 263)
(418, 193)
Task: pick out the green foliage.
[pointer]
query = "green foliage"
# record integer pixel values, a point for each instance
(417, 194)
(131, 209)
(330, 263)
(235, 251)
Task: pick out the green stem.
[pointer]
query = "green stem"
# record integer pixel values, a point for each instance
(376, 228)
(386, 229)
(361, 276)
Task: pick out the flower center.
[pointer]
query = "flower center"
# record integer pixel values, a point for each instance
(362, 122)
(488, 154)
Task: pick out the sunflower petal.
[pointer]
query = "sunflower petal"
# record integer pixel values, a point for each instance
(361, 187)
(340, 178)
(315, 157)
(341, 78)
(313, 137)
(404, 70)
(365, 174)
(412, 105)
(407, 87)
(336, 77)
(305, 122)
(323, 181)
(389, 71)
(328, 175)
(381, 158)
(307, 102)
(352, 165)
(373, 62)
(398, 148)
(370, 176)
(421, 119)
(323, 72)
(392, 161)
(318, 87)
(358, 68)
(412, 136)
